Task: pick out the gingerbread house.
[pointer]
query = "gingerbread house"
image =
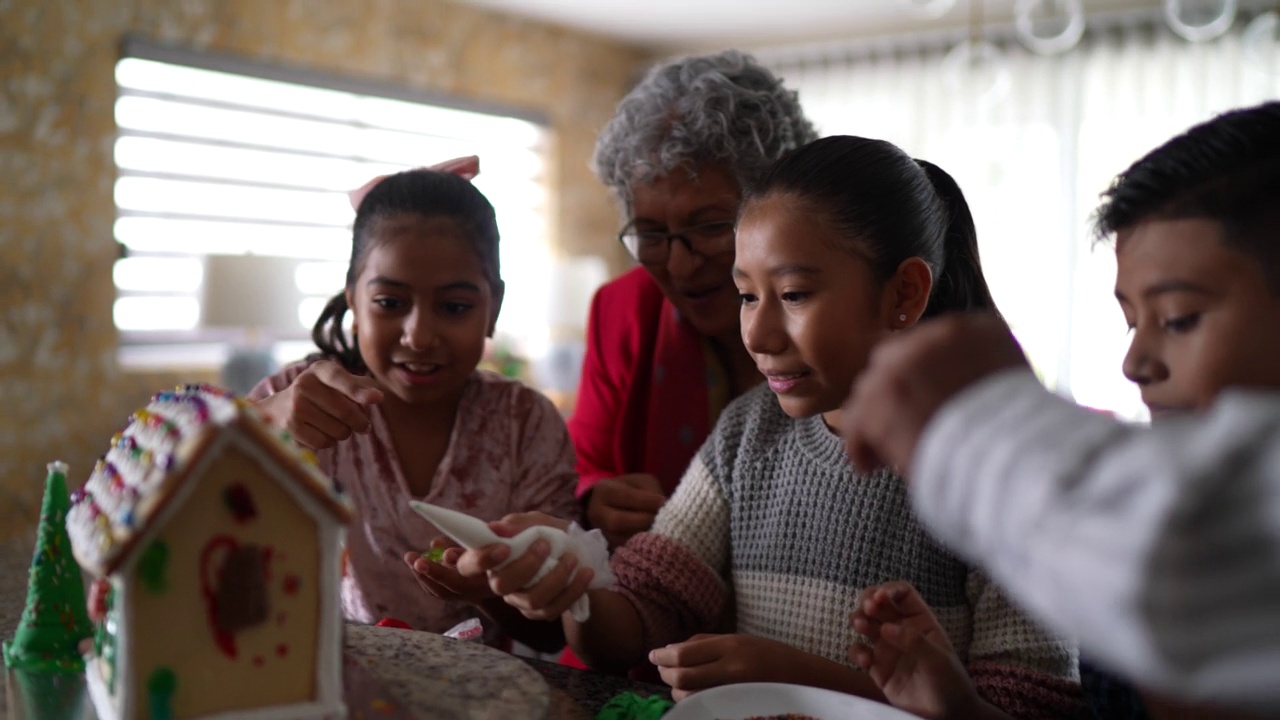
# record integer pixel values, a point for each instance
(218, 543)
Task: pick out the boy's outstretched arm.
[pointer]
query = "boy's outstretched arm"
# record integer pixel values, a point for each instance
(1155, 547)
(910, 658)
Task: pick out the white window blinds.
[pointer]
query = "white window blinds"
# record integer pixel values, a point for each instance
(217, 156)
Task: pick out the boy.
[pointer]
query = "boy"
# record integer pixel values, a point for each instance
(1159, 548)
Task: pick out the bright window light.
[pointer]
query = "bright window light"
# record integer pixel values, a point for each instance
(233, 201)
(320, 278)
(208, 123)
(196, 83)
(157, 312)
(202, 237)
(309, 311)
(214, 162)
(172, 157)
(157, 274)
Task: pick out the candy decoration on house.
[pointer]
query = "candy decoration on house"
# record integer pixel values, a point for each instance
(215, 545)
(54, 620)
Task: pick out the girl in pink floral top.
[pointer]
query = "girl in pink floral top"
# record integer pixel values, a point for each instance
(400, 411)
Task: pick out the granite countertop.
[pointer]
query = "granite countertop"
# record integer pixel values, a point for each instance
(437, 676)
(579, 694)
(399, 673)
(407, 674)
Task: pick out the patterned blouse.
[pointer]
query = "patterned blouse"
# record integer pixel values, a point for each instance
(509, 452)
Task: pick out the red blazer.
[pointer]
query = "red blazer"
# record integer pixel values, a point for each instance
(643, 403)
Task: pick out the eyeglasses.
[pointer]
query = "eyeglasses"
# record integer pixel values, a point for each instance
(653, 247)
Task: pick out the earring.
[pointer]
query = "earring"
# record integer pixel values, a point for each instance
(902, 318)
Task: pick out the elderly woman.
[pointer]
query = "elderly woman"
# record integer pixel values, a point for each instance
(664, 354)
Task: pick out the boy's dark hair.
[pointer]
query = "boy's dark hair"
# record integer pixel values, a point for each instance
(1225, 170)
(430, 194)
(890, 207)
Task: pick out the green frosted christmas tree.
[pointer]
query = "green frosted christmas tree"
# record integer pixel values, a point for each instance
(55, 619)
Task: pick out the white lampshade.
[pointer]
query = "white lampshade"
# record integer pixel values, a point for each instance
(574, 280)
(258, 293)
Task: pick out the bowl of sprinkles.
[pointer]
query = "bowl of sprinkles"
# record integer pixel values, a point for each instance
(779, 701)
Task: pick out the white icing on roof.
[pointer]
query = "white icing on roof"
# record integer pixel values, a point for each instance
(119, 498)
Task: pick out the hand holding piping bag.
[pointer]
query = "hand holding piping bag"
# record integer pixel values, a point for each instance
(590, 548)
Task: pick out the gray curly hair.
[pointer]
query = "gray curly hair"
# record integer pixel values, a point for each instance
(721, 108)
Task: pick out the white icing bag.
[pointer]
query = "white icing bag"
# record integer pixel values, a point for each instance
(590, 547)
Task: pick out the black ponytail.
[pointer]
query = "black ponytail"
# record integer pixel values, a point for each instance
(331, 339)
(961, 285)
(887, 208)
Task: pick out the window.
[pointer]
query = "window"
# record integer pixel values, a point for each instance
(218, 156)
(1032, 162)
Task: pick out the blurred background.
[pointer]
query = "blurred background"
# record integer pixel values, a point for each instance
(174, 205)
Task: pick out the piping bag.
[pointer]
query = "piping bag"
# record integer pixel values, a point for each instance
(590, 547)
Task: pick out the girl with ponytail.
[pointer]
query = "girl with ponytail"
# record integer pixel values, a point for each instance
(396, 409)
(753, 567)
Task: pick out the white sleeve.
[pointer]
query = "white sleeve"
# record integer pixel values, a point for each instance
(1158, 548)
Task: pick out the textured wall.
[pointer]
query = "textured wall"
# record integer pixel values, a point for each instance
(61, 392)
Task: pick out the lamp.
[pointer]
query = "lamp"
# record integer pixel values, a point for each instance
(255, 298)
(977, 64)
(1213, 27)
(1067, 37)
(574, 281)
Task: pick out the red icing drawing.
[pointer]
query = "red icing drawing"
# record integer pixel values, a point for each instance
(97, 602)
(233, 583)
(226, 641)
(268, 553)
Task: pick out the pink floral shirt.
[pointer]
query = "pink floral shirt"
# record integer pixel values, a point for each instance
(510, 452)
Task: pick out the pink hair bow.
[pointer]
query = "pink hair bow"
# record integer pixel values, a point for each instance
(464, 167)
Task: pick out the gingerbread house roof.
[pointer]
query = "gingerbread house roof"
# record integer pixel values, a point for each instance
(152, 458)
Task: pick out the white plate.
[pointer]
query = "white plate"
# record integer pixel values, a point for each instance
(745, 700)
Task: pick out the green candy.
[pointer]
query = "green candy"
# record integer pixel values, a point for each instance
(435, 555)
(630, 706)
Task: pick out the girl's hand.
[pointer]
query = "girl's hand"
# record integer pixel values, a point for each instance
(547, 599)
(909, 656)
(625, 505)
(706, 661)
(323, 405)
(442, 579)
(511, 525)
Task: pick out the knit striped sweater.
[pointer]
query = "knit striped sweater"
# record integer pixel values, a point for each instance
(772, 527)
